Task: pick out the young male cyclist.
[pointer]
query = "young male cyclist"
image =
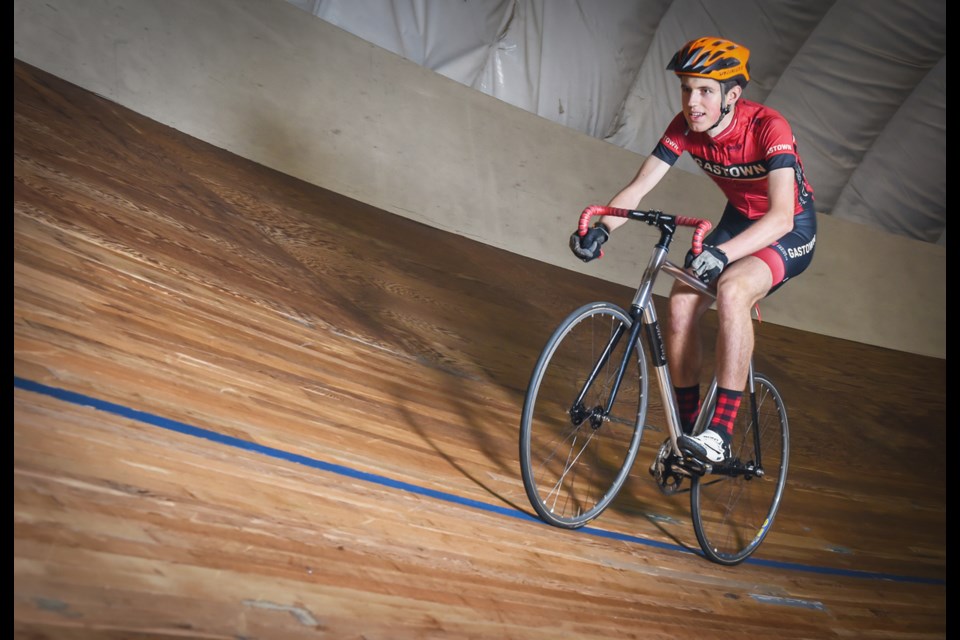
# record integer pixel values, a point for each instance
(766, 234)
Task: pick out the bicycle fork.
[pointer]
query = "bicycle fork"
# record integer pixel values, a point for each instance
(644, 319)
(579, 412)
(674, 464)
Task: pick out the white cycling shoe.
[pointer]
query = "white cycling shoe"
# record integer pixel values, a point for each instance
(706, 447)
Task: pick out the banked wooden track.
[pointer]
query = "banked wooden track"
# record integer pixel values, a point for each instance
(247, 407)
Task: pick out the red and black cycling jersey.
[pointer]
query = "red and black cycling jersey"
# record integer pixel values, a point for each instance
(741, 156)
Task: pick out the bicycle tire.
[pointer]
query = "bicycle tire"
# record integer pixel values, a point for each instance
(572, 472)
(733, 513)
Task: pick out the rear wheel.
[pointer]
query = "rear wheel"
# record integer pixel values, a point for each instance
(734, 507)
(574, 458)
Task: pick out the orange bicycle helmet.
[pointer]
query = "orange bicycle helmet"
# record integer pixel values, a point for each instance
(713, 58)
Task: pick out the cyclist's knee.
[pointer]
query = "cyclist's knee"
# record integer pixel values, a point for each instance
(745, 283)
(686, 304)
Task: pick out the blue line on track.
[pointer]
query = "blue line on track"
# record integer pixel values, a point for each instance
(180, 427)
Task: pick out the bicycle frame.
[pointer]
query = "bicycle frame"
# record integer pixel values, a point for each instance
(644, 315)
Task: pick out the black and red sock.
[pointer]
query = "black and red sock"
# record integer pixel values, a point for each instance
(688, 405)
(728, 403)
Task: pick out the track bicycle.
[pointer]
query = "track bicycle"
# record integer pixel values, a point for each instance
(586, 402)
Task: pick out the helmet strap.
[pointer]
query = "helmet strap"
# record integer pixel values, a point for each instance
(724, 109)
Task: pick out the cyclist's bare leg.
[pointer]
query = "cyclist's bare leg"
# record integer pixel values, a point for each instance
(740, 287)
(683, 339)
(685, 354)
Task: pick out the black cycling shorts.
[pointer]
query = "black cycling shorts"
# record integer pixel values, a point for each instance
(789, 256)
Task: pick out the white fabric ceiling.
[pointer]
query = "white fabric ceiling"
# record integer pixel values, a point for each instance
(861, 81)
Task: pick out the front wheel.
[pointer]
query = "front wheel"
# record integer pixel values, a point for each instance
(574, 456)
(733, 508)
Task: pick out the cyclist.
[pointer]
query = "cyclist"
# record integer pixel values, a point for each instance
(766, 234)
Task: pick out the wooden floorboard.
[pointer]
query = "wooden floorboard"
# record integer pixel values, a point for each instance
(247, 407)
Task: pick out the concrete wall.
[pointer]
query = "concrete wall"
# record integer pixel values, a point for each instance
(272, 83)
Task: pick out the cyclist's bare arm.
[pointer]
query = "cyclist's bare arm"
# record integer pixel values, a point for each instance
(651, 172)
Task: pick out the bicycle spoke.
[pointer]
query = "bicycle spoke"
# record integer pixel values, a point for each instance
(567, 467)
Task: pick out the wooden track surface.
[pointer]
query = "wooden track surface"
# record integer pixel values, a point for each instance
(247, 407)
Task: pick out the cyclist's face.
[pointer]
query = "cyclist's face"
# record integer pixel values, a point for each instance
(702, 99)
